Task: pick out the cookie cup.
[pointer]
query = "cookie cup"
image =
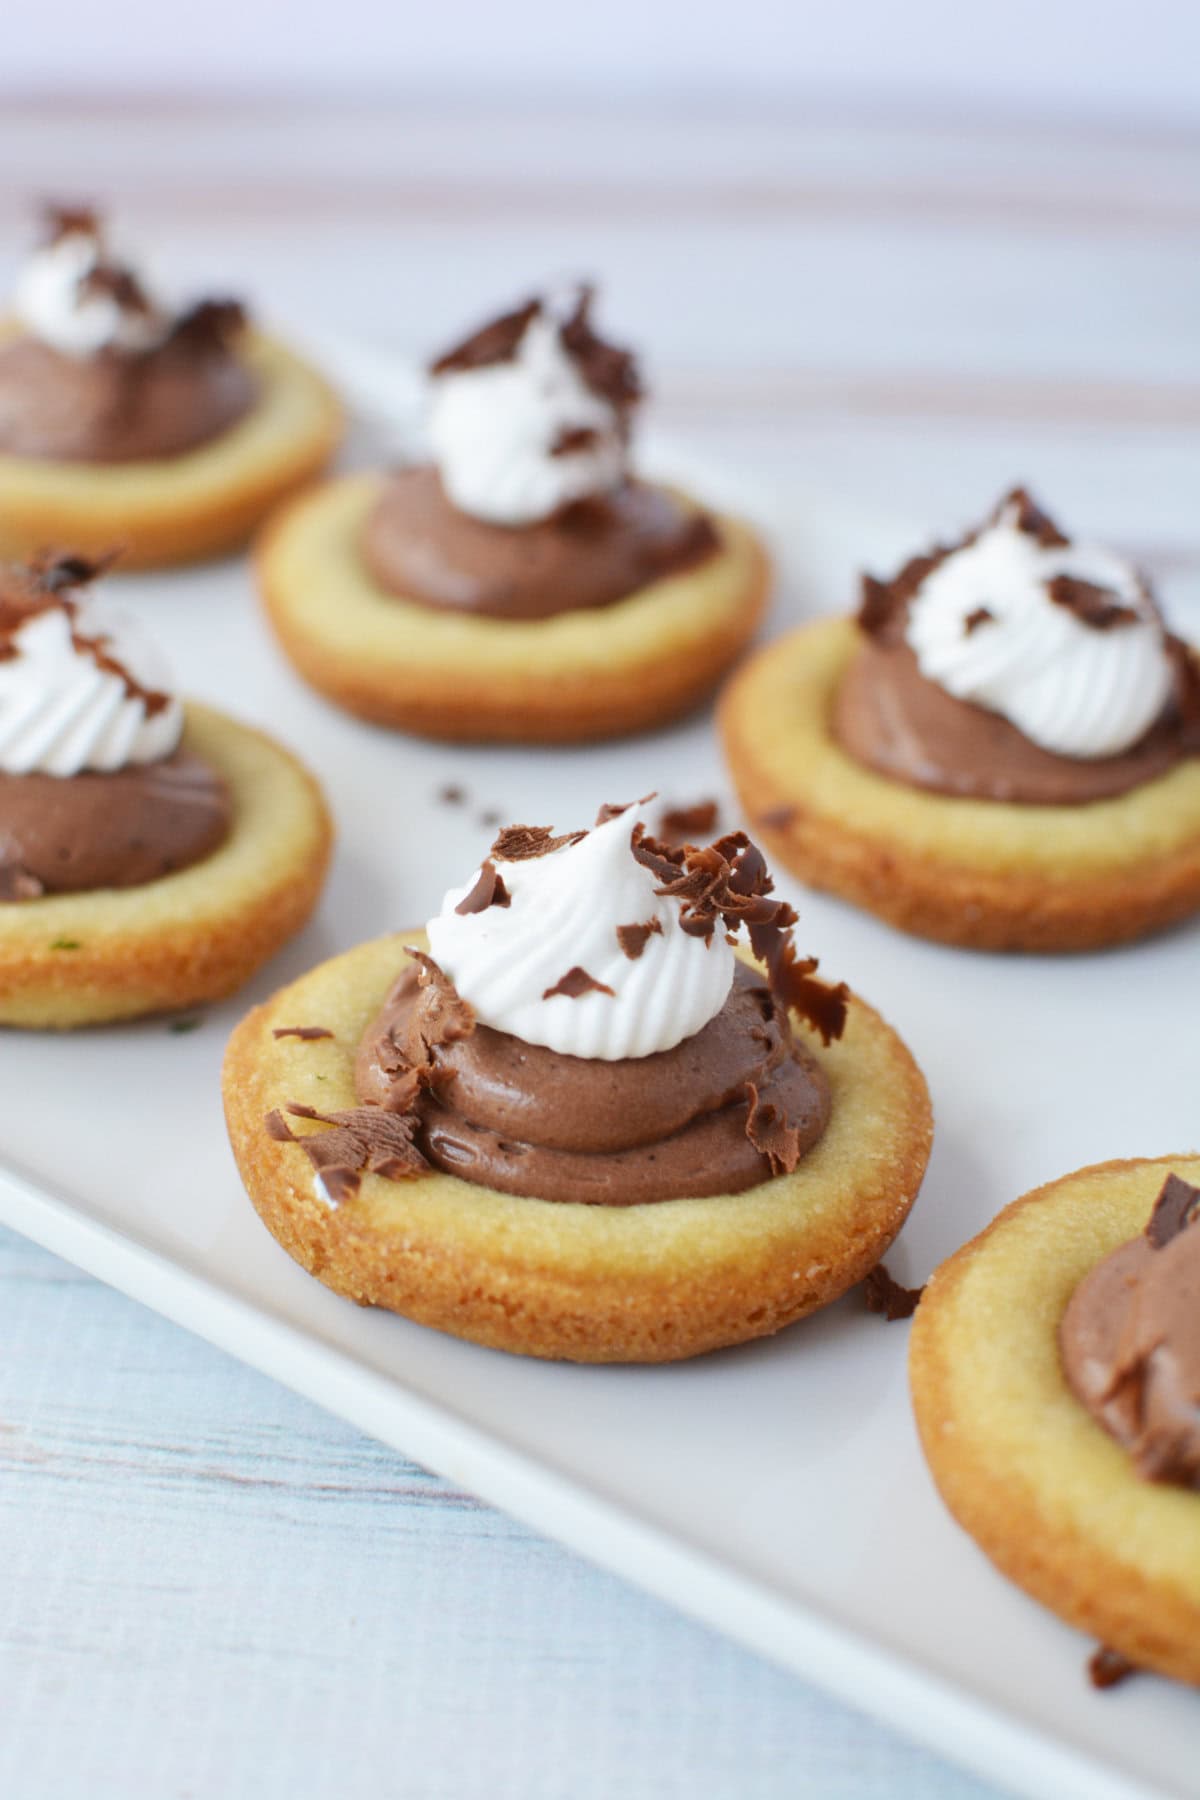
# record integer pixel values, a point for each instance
(180, 508)
(193, 936)
(985, 874)
(591, 674)
(1044, 1491)
(650, 1283)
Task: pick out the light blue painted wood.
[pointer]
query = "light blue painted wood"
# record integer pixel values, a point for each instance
(208, 1587)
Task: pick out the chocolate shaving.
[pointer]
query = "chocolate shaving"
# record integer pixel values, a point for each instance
(115, 282)
(520, 843)
(309, 1033)
(1097, 607)
(610, 373)
(681, 823)
(71, 220)
(884, 1295)
(728, 881)
(1177, 1207)
(1030, 519)
(495, 342)
(574, 438)
(983, 615)
(378, 1140)
(489, 890)
(1107, 1667)
(634, 938)
(576, 982)
(611, 811)
(365, 1140)
(770, 1132)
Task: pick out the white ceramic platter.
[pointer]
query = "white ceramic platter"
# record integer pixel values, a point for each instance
(776, 1491)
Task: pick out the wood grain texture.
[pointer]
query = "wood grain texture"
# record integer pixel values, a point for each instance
(206, 1586)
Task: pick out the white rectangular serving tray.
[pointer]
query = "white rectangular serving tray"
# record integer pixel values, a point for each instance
(776, 1491)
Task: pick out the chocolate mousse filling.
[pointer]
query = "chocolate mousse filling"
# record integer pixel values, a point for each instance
(1130, 1341)
(419, 546)
(76, 833)
(889, 717)
(722, 1111)
(120, 407)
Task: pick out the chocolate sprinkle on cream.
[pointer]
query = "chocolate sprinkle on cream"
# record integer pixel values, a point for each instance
(47, 582)
(1177, 1206)
(520, 843)
(309, 1033)
(577, 982)
(728, 881)
(983, 615)
(634, 938)
(495, 342)
(489, 890)
(1097, 607)
(612, 811)
(884, 1295)
(1107, 1667)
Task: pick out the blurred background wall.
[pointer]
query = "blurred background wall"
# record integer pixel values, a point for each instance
(1115, 58)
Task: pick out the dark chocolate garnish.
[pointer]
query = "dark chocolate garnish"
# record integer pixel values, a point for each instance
(576, 982)
(364, 1140)
(48, 581)
(520, 843)
(1030, 519)
(1177, 1207)
(1107, 1667)
(884, 1295)
(495, 342)
(771, 1132)
(378, 1140)
(982, 615)
(610, 373)
(573, 438)
(69, 220)
(612, 810)
(686, 823)
(309, 1033)
(634, 938)
(729, 882)
(1097, 607)
(489, 890)
(209, 328)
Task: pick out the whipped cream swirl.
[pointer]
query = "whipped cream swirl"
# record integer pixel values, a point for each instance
(986, 627)
(82, 687)
(563, 914)
(531, 415)
(72, 295)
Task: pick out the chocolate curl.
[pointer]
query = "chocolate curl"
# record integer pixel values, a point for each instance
(496, 342)
(610, 373)
(521, 843)
(771, 1133)
(634, 938)
(728, 882)
(884, 1295)
(1177, 1207)
(365, 1140)
(1096, 607)
(489, 890)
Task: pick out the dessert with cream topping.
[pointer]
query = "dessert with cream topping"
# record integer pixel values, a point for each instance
(1005, 752)
(128, 880)
(127, 417)
(525, 582)
(601, 1109)
(1056, 1378)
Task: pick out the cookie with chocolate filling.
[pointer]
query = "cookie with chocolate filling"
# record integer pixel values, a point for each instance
(1055, 1365)
(570, 1121)
(524, 586)
(1003, 751)
(171, 432)
(152, 854)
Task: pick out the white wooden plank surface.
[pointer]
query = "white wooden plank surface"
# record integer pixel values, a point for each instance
(205, 1585)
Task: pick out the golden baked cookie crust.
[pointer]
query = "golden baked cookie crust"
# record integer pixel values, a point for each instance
(181, 508)
(584, 1283)
(583, 675)
(194, 936)
(1044, 1491)
(985, 874)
